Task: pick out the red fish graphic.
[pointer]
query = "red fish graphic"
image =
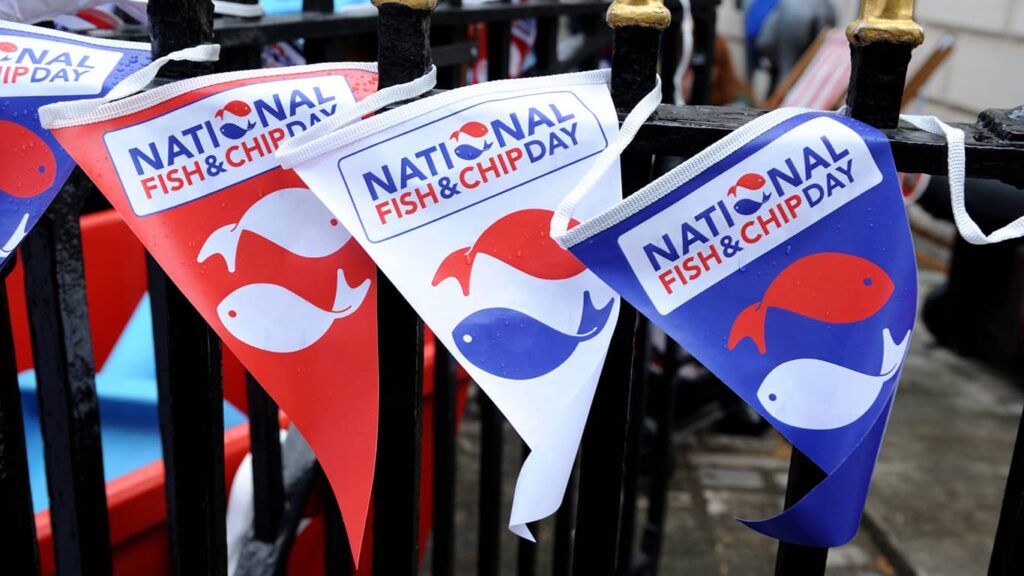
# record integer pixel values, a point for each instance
(748, 182)
(523, 241)
(829, 286)
(474, 129)
(7, 47)
(29, 165)
(236, 108)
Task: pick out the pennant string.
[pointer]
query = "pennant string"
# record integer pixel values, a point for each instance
(606, 159)
(956, 155)
(308, 145)
(64, 112)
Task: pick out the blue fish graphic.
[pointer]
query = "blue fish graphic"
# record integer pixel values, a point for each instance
(468, 152)
(513, 345)
(234, 131)
(749, 207)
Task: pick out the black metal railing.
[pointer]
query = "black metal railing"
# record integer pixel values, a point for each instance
(595, 530)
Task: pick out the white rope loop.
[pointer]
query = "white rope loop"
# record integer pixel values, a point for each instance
(56, 115)
(310, 144)
(956, 157)
(606, 159)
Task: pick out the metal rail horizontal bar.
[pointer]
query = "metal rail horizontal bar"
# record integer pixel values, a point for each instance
(235, 32)
(686, 130)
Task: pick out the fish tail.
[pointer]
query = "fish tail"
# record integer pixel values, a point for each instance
(749, 324)
(893, 353)
(458, 265)
(220, 114)
(223, 241)
(251, 125)
(455, 135)
(487, 145)
(347, 299)
(593, 320)
(732, 191)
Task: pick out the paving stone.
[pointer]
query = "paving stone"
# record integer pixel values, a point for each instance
(731, 478)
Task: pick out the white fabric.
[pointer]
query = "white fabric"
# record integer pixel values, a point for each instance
(237, 9)
(957, 171)
(608, 158)
(79, 112)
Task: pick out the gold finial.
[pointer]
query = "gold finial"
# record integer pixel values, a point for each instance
(414, 4)
(643, 13)
(889, 21)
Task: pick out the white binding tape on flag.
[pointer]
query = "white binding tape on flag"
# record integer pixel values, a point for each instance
(630, 126)
(297, 150)
(80, 112)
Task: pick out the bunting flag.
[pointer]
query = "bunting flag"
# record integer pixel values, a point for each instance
(190, 167)
(452, 197)
(781, 258)
(37, 67)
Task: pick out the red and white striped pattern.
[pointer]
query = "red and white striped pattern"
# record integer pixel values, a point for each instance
(825, 80)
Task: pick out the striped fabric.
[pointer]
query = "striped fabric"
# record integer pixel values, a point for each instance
(824, 81)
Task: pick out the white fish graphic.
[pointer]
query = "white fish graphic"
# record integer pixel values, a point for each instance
(16, 237)
(819, 395)
(292, 218)
(275, 319)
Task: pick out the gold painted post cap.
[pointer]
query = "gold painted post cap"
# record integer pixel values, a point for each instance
(414, 4)
(642, 13)
(890, 21)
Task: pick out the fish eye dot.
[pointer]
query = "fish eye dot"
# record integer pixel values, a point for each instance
(467, 338)
(334, 221)
(773, 397)
(41, 168)
(867, 281)
(232, 313)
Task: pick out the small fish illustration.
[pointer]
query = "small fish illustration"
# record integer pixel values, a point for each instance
(473, 129)
(829, 286)
(8, 48)
(468, 152)
(234, 131)
(292, 218)
(818, 395)
(30, 166)
(513, 345)
(275, 319)
(747, 182)
(236, 108)
(523, 241)
(16, 237)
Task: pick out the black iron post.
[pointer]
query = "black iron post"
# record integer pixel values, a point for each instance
(66, 384)
(17, 521)
(637, 26)
(403, 55)
(190, 393)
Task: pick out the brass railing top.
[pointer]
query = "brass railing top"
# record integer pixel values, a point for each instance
(642, 13)
(414, 4)
(889, 21)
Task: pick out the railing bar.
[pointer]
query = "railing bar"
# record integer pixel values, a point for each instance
(337, 553)
(705, 14)
(631, 462)
(499, 46)
(491, 450)
(804, 475)
(404, 54)
(188, 358)
(602, 454)
(663, 402)
(265, 443)
(565, 527)
(443, 558)
(17, 521)
(1008, 548)
(66, 384)
(526, 556)
(546, 46)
